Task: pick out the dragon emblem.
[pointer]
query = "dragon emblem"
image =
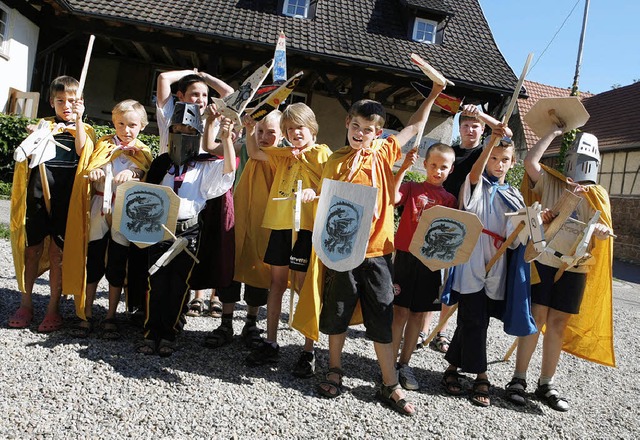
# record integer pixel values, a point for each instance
(443, 238)
(145, 210)
(342, 224)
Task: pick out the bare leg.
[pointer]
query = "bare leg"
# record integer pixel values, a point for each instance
(400, 317)
(32, 256)
(114, 299)
(279, 278)
(55, 278)
(527, 344)
(552, 342)
(90, 294)
(411, 333)
(386, 360)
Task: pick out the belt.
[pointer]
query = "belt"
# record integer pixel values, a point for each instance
(183, 225)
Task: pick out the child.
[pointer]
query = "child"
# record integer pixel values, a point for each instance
(192, 87)
(120, 158)
(195, 181)
(368, 161)
(482, 295)
(417, 287)
(37, 228)
(557, 305)
(303, 161)
(250, 200)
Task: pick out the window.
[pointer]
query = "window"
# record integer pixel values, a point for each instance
(296, 8)
(4, 32)
(425, 31)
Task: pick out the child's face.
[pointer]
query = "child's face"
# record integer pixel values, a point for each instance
(62, 103)
(197, 93)
(438, 166)
(361, 133)
(298, 135)
(268, 133)
(128, 126)
(470, 132)
(500, 161)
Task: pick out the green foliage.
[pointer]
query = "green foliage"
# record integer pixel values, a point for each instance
(4, 232)
(13, 130)
(515, 175)
(567, 140)
(414, 176)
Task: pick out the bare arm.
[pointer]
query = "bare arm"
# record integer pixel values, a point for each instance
(532, 160)
(420, 117)
(81, 134)
(253, 150)
(217, 84)
(226, 128)
(165, 79)
(409, 160)
(493, 123)
(209, 143)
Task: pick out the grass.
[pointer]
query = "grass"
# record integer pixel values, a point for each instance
(4, 231)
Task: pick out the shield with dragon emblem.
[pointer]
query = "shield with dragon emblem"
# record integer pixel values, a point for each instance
(343, 224)
(445, 237)
(140, 210)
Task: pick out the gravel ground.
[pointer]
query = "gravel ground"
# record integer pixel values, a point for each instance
(54, 386)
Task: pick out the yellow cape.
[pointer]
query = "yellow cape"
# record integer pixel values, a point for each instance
(250, 201)
(19, 209)
(589, 334)
(74, 258)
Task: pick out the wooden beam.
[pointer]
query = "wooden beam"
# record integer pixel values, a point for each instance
(332, 89)
(142, 51)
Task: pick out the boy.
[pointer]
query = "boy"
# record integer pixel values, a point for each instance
(557, 305)
(482, 295)
(192, 87)
(368, 161)
(304, 160)
(417, 287)
(119, 157)
(250, 200)
(195, 181)
(37, 228)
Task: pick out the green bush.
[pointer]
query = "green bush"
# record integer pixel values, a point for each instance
(13, 130)
(515, 175)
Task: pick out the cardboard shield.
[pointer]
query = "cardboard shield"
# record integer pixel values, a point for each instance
(141, 209)
(569, 109)
(343, 224)
(445, 237)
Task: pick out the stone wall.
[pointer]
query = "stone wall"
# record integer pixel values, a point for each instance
(626, 225)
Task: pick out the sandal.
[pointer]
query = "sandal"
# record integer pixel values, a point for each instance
(52, 322)
(440, 343)
(515, 391)
(21, 318)
(335, 387)
(219, 337)
(215, 309)
(251, 336)
(196, 307)
(110, 329)
(82, 329)
(549, 394)
(478, 394)
(147, 347)
(451, 382)
(385, 393)
(166, 348)
(422, 336)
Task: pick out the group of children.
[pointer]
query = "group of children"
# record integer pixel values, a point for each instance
(392, 294)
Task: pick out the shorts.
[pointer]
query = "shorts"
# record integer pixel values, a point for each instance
(372, 284)
(419, 286)
(565, 295)
(40, 223)
(253, 296)
(107, 257)
(280, 253)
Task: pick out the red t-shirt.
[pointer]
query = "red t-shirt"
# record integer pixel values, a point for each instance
(416, 197)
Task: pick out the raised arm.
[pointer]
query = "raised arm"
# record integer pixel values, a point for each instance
(420, 117)
(253, 150)
(478, 167)
(493, 123)
(409, 160)
(217, 84)
(165, 79)
(532, 160)
(226, 138)
(81, 134)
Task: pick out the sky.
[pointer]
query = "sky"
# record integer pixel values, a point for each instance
(611, 52)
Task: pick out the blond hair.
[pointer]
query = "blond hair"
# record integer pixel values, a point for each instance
(131, 105)
(299, 114)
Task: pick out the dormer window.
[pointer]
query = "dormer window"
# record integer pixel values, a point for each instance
(296, 8)
(424, 30)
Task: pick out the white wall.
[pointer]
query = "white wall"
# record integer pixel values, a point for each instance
(16, 71)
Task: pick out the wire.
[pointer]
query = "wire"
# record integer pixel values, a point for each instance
(555, 35)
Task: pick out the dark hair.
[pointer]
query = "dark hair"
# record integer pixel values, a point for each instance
(441, 147)
(66, 84)
(187, 80)
(370, 110)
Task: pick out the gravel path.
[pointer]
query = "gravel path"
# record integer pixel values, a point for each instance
(54, 386)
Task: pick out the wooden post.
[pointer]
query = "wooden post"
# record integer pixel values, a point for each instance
(510, 351)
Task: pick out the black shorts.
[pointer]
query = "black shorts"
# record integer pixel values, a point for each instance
(372, 284)
(280, 253)
(253, 296)
(565, 295)
(419, 287)
(40, 223)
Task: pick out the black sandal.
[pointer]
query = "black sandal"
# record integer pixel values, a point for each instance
(384, 394)
(440, 343)
(516, 391)
(110, 330)
(82, 329)
(477, 393)
(166, 348)
(219, 337)
(451, 382)
(549, 394)
(251, 336)
(335, 388)
(196, 307)
(147, 347)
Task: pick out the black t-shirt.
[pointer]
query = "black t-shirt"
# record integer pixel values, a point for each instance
(465, 158)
